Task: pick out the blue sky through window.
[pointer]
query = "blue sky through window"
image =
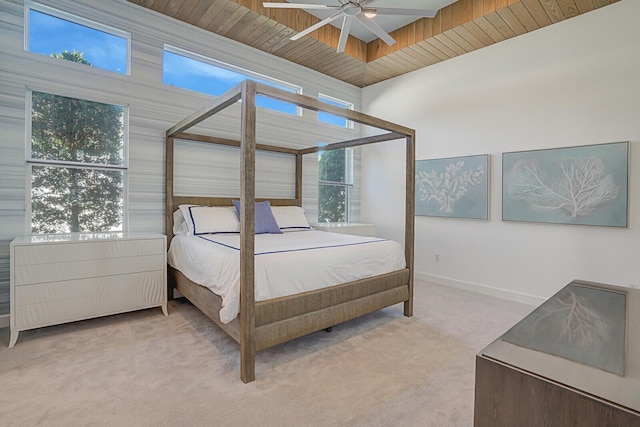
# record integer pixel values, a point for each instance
(199, 76)
(51, 35)
(331, 118)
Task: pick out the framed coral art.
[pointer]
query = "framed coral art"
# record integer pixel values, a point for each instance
(586, 185)
(453, 187)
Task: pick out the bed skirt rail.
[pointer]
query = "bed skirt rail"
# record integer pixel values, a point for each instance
(278, 309)
(205, 300)
(285, 330)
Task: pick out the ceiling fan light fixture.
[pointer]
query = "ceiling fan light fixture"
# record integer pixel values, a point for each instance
(370, 13)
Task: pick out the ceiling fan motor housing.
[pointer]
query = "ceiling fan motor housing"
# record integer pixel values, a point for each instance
(351, 9)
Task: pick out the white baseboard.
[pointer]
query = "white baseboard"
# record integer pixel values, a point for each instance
(4, 321)
(482, 289)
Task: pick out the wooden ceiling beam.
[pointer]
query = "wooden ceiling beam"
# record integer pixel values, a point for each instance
(461, 27)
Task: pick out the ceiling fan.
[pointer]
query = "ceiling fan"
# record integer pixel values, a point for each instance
(351, 9)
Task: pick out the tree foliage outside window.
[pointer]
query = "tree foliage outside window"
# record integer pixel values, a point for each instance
(334, 186)
(77, 163)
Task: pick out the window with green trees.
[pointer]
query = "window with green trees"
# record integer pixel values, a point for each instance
(335, 183)
(77, 164)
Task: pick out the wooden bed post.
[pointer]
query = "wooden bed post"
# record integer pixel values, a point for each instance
(247, 228)
(168, 214)
(299, 179)
(410, 218)
(168, 174)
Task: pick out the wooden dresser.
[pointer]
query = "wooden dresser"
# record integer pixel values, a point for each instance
(61, 278)
(507, 396)
(574, 361)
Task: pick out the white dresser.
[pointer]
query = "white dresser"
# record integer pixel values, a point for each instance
(59, 278)
(357, 228)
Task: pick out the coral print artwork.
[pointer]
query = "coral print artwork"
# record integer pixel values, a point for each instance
(454, 187)
(580, 185)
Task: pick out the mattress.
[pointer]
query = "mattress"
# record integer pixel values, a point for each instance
(285, 264)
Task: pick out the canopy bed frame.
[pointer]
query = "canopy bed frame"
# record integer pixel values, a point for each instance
(264, 324)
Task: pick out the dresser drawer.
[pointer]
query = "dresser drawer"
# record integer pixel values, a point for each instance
(55, 272)
(78, 251)
(52, 303)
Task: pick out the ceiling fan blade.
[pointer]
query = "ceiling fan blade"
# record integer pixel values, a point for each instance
(316, 26)
(400, 11)
(375, 28)
(298, 6)
(344, 33)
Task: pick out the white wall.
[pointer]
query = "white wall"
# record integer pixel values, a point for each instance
(574, 83)
(153, 108)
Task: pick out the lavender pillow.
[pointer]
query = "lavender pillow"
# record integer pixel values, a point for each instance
(265, 223)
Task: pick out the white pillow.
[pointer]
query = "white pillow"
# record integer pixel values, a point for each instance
(210, 219)
(290, 218)
(179, 224)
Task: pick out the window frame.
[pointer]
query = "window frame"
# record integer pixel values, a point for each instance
(340, 103)
(234, 69)
(30, 161)
(79, 20)
(348, 184)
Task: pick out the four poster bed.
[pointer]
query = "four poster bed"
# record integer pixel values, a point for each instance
(261, 324)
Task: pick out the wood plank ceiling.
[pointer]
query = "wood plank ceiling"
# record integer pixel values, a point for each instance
(459, 28)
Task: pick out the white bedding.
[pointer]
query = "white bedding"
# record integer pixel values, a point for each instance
(285, 264)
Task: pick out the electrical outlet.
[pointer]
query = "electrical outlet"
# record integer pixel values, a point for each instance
(437, 257)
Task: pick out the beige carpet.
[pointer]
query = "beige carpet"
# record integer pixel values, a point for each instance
(144, 369)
